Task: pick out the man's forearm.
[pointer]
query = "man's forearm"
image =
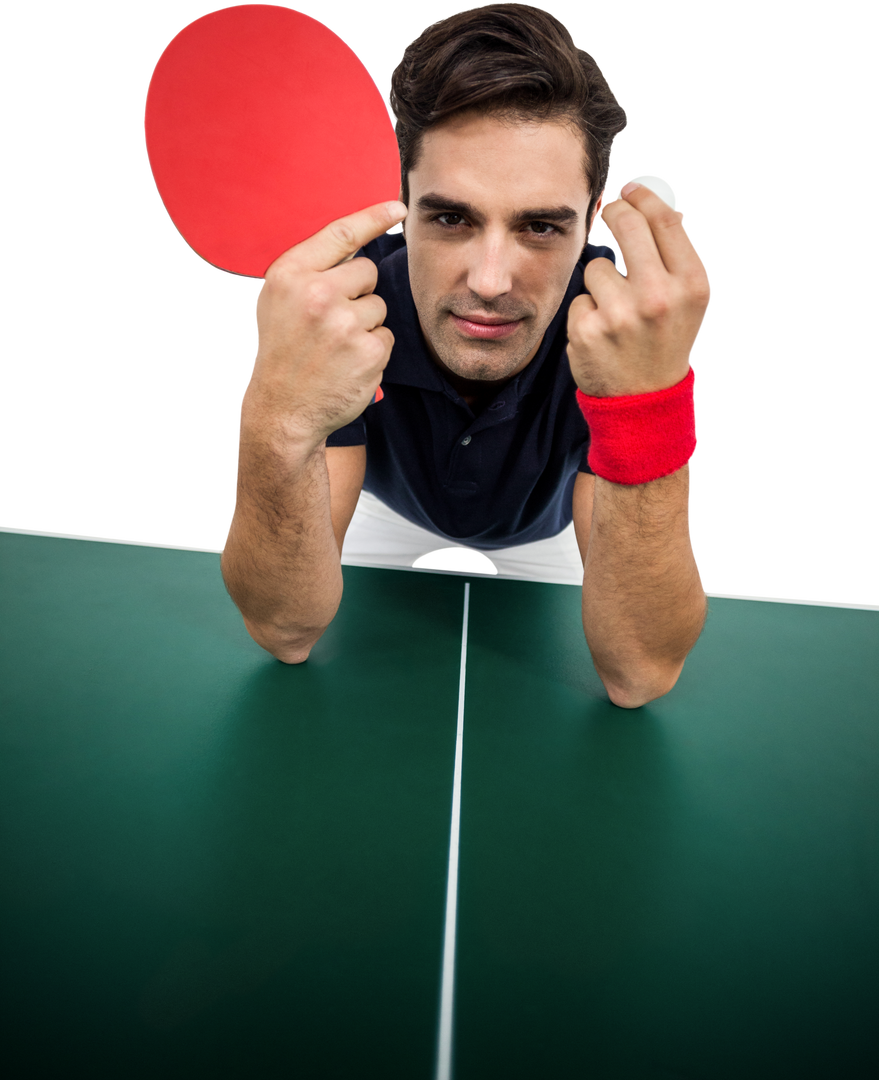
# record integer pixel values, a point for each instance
(643, 603)
(281, 564)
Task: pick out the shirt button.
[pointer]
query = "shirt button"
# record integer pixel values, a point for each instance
(465, 441)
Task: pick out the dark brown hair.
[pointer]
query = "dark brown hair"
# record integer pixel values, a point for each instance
(509, 60)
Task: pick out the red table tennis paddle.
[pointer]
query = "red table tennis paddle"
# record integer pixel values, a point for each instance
(262, 127)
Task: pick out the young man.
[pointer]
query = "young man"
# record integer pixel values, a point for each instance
(508, 406)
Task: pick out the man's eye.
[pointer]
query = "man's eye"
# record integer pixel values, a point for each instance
(438, 216)
(545, 225)
(541, 225)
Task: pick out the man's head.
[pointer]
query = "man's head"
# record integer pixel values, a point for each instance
(505, 130)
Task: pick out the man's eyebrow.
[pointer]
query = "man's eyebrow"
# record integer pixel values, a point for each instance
(555, 215)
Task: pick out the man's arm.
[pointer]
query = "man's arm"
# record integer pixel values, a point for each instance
(281, 564)
(643, 603)
(644, 595)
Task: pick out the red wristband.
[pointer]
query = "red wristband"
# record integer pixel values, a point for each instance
(637, 438)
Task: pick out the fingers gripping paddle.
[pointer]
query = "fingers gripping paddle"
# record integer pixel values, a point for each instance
(262, 127)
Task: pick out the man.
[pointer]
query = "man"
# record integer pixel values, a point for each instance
(511, 336)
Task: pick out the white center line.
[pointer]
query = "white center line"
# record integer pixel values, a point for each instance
(444, 1043)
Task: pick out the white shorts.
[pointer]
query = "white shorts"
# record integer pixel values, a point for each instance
(378, 536)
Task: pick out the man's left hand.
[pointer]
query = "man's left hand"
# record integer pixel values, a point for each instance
(634, 333)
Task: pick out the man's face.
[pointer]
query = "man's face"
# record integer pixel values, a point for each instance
(497, 222)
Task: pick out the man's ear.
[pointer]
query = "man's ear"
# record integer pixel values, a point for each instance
(598, 207)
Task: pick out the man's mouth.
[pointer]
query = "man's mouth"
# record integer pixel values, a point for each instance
(485, 326)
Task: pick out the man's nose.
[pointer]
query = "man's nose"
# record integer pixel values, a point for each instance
(490, 273)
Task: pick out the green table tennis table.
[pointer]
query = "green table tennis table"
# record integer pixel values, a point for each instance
(435, 849)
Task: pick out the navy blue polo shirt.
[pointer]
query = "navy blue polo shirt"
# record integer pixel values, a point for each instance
(503, 478)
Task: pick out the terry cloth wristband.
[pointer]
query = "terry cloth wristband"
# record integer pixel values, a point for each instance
(637, 438)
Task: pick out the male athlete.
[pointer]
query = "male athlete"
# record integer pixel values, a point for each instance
(530, 383)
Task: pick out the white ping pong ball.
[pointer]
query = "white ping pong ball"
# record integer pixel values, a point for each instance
(658, 187)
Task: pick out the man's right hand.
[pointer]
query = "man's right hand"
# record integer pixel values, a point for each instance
(322, 346)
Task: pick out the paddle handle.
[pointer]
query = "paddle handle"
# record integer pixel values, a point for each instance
(378, 393)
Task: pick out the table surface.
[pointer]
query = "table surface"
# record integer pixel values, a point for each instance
(218, 865)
